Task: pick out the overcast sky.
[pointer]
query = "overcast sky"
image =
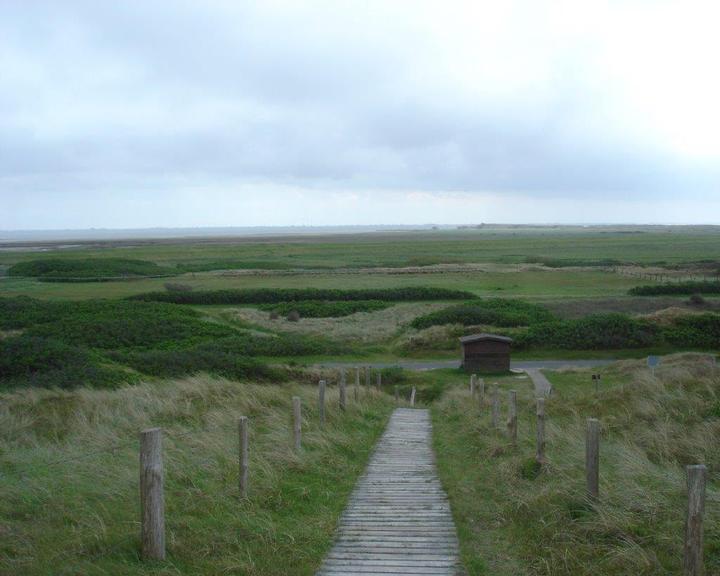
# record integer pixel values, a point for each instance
(204, 113)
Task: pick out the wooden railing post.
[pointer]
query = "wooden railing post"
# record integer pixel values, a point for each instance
(495, 406)
(152, 499)
(473, 377)
(356, 390)
(342, 400)
(367, 376)
(297, 423)
(379, 380)
(244, 456)
(540, 432)
(321, 402)
(592, 458)
(481, 392)
(512, 417)
(412, 397)
(693, 563)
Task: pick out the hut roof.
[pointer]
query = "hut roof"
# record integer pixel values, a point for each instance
(484, 336)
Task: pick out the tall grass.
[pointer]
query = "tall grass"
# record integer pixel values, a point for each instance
(513, 521)
(69, 501)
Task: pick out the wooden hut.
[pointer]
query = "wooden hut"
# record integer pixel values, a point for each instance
(485, 353)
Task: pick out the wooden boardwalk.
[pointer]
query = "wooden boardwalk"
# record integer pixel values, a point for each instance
(398, 519)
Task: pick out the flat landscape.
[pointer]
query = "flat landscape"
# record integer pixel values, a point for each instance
(99, 340)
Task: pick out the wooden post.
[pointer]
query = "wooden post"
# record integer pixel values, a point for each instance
(592, 458)
(412, 397)
(397, 394)
(244, 457)
(540, 432)
(693, 563)
(356, 390)
(472, 385)
(321, 402)
(367, 376)
(379, 380)
(297, 423)
(481, 392)
(342, 391)
(152, 499)
(495, 407)
(512, 417)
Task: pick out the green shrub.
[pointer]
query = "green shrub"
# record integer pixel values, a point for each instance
(323, 309)
(31, 361)
(694, 331)
(494, 312)
(679, 289)
(85, 269)
(283, 295)
(595, 332)
(568, 262)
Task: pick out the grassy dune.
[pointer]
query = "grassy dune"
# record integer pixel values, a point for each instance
(512, 520)
(69, 503)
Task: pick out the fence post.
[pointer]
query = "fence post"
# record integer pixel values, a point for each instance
(540, 432)
(512, 417)
(152, 499)
(379, 380)
(367, 376)
(342, 390)
(481, 392)
(397, 394)
(592, 458)
(412, 397)
(693, 563)
(495, 406)
(244, 457)
(472, 385)
(356, 391)
(321, 401)
(297, 423)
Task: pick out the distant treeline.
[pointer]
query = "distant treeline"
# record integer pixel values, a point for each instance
(682, 288)
(280, 295)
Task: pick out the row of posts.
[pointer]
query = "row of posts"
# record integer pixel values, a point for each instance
(693, 564)
(152, 500)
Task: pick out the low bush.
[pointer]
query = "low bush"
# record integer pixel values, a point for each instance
(572, 262)
(283, 295)
(679, 289)
(177, 287)
(694, 331)
(596, 332)
(323, 309)
(85, 269)
(494, 312)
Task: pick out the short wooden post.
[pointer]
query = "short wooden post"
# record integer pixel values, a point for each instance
(495, 407)
(152, 499)
(379, 380)
(321, 402)
(412, 397)
(367, 376)
(512, 417)
(592, 458)
(693, 563)
(297, 423)
(356, 390)
(244, 456)
(342, 391)
(540, 432)
(397, 394)
(472, 385)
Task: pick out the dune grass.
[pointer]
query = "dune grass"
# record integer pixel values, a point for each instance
(69, 503)
(513, 520)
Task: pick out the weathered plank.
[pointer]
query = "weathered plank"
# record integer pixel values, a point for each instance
(398, 518)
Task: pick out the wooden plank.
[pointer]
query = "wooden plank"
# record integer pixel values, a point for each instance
(398, 518)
